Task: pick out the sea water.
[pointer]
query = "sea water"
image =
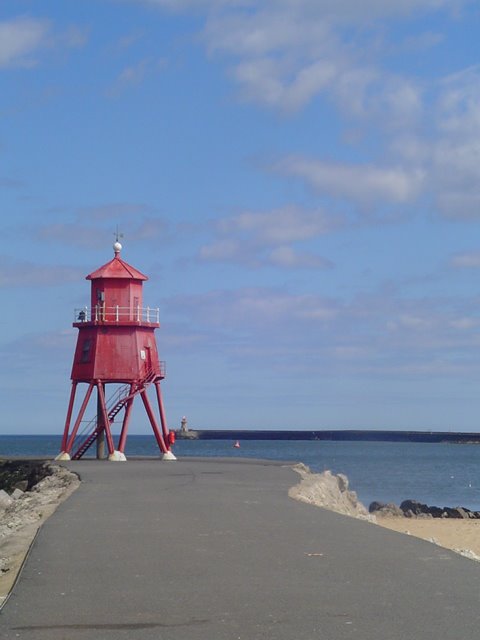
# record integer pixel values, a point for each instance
(437, 474)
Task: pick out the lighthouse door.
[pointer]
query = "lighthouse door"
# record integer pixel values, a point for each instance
(148, 360)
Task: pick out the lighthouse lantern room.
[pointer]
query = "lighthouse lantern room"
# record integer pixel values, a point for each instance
(115, 346)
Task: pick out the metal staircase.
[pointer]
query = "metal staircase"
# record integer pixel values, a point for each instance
(114, 405)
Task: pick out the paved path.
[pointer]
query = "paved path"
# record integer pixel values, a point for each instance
(215, 549)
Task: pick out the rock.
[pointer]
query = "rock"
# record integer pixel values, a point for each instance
(414, 506)
(22, 485)
(415, 509)
(14, 473)
(329, 491)
(5, 499)
(382, 509)
(455, 512)
(342, 481)
(4, 565)
(16, 493)
(468, 553)
(376, 506)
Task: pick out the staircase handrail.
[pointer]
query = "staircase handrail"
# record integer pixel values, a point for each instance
(87, 427)
(119, 396)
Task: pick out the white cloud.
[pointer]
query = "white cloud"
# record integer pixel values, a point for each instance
(284, 53)
(133, 75)
(266, 238)
(448, 150)
(422, 41)
(455, 158)
(265, 30)
(20, 40)
(363, 184)
(467, 260)
(288, 258)
(458, 204)
(464, 324)
(283, 57)
(227, 250)
(255, 309)
(263, 81)
(286, 224)
(459, 100)
(374, 333)
(16, 273)
(91, 227)
(73, 37)
(341, 11)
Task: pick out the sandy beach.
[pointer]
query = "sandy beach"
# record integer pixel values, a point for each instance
(462, 536)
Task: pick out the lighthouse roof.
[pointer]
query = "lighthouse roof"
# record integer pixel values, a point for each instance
(117, 268)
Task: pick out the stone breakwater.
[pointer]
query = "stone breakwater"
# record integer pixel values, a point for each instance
(21, 474)
(329, 491)
(31, 489)
(414, 509)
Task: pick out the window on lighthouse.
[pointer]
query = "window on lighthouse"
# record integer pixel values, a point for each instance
(86, 346)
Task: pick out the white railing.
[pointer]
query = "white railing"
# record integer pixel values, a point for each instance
(101, 313)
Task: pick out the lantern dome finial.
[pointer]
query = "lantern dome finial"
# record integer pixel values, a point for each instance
(117, 247)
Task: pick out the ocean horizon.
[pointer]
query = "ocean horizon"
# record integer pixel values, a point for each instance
(443, 474)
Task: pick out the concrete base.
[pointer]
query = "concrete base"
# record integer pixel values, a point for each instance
(168, 456)
(117, 456)
(63, 456)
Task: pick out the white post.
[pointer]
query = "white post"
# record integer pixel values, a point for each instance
(148, 314)
(116, 313)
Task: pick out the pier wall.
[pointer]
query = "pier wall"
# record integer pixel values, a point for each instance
(334, 435)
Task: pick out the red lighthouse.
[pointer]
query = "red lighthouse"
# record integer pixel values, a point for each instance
(116, 345)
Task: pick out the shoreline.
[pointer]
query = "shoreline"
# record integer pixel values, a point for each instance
(332, 492)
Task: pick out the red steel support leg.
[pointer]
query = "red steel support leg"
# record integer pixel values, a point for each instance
(69, 416)
(126, 419)
(153, 422)
(163, 418)
(106, 421)
(79, 418)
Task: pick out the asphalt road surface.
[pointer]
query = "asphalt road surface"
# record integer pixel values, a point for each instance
(215, 549)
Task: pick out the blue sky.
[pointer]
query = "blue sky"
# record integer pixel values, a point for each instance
(300, 180)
